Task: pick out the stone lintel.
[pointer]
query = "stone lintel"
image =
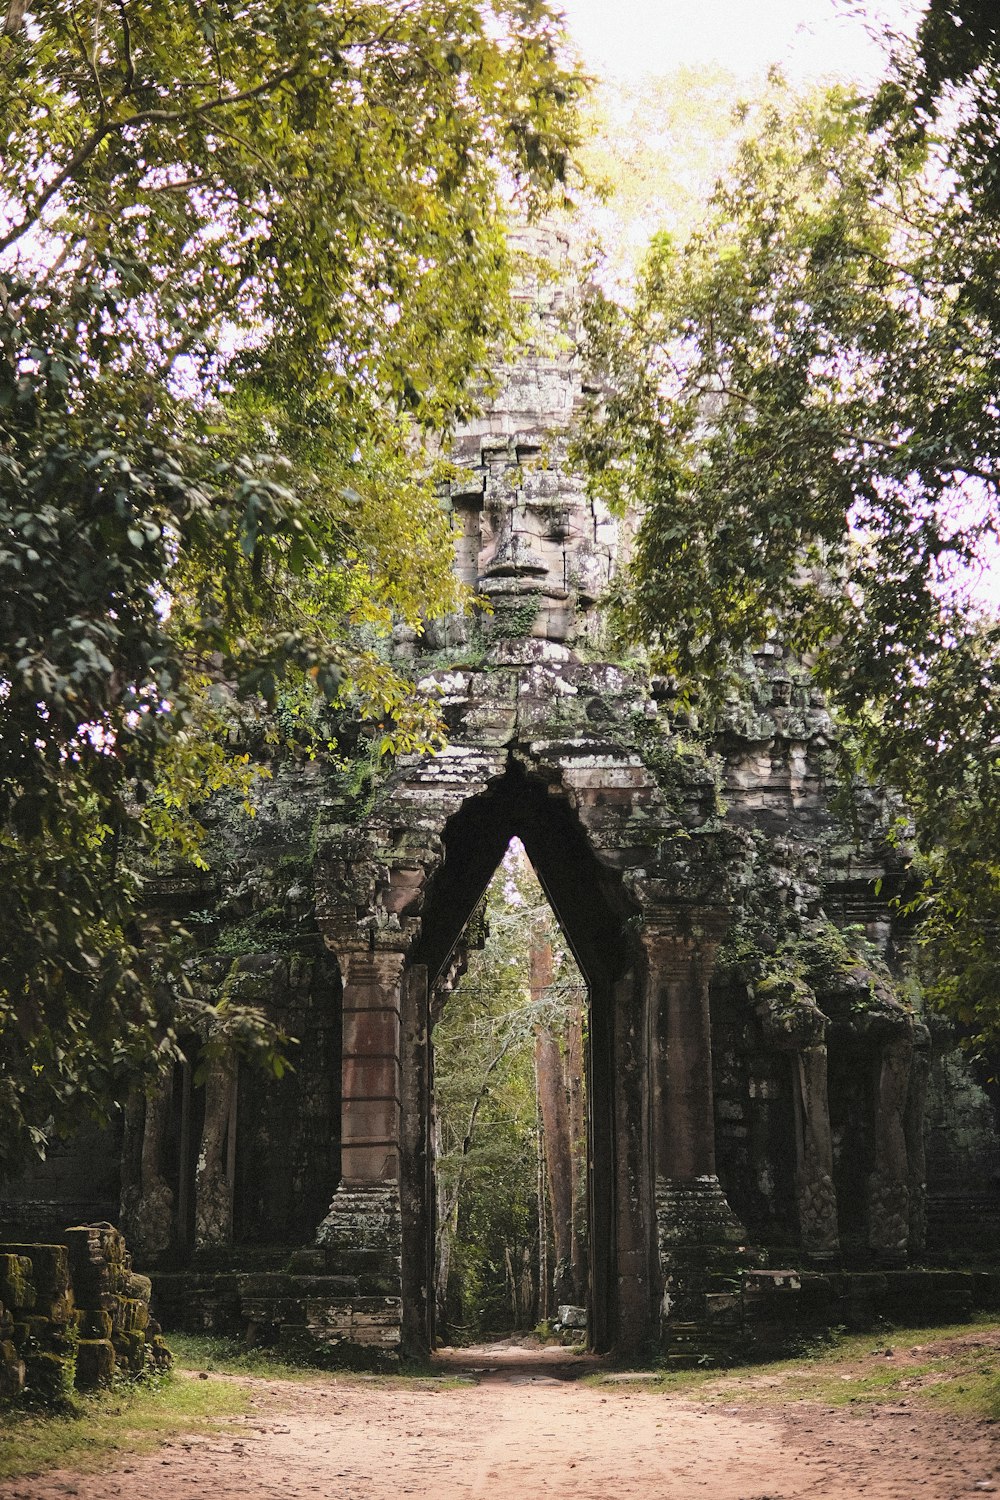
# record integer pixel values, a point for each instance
(683, 931)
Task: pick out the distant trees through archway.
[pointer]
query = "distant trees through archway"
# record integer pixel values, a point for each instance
(509, 1124)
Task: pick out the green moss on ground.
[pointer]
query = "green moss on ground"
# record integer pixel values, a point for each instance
(128, 1418)
(954, 1369)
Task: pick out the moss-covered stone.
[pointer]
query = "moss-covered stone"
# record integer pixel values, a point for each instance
(95, 1363)
(12, 1372)
(17, 1289)
(95, 1323)
(138, 1287)
(160, 1355)
(49, 1267)
(49, 1376)
(130, 1350)
(48, 1343)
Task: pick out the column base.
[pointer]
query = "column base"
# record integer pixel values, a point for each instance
(359, 1324)
(888, 1220)
(818, 1224)
(695, 1226)
(362, 1221)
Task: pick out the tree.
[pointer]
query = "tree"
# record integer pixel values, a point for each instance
(509, 1118)
(803, 400)
(651, 152)
(252, 260)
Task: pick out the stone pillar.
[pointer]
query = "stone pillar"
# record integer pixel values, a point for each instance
(362, 1233)
(214, 1175)
(637, 1291)
(888, 1186)
(692, 1214)
(913, 1129)
(147, 1199)
(815, 1192)
(416, 1172)
(371, 1069)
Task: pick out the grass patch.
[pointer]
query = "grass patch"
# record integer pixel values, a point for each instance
(954, 1369)
(202, 1351)
(125, 1419)
(209, 1352)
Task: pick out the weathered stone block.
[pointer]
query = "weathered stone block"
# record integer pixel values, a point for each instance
(130, 1350)
(49, 1376)
(95, 1323)
(772, 1281)
(136, 1286)
(159, 1352)
(12, 1371)
(97, 1262)
(42, 1331)
(724, 1307)
(17, 1288)
(95, 1363)
(133, 1315)
(57, 1310)
(49, 1267)
(308, 1262)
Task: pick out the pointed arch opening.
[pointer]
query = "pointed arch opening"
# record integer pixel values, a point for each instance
(597, 922)
(509, 1028)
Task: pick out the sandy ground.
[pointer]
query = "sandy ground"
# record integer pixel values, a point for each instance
(526, 1428)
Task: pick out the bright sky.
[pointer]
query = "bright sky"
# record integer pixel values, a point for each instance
(807, 38)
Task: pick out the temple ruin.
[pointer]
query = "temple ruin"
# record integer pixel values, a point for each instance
(776, 1134)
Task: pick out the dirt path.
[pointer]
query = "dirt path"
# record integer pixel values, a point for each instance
(524, 1431)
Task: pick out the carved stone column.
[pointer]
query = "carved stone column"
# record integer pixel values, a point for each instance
(692, 1214)
(814, 1189)
(362, 1233)
(416, 1184)
(913, 1127)
(888, 1186)
(214, 1175)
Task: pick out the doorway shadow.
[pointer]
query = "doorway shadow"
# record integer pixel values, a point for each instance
(519, 1362)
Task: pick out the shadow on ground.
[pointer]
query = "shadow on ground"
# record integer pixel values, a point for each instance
(518, 1363)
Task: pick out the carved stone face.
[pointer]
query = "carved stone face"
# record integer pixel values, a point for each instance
(527, 536)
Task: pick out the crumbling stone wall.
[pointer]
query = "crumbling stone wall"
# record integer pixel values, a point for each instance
(73, 1316)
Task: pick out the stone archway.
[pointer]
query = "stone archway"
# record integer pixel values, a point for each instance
(634, 897)
(599, 923)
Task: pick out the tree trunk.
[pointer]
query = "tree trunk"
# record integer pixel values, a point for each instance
(554, 1111)
(543, 1218)
(576, 1093)
(446, 1217)
(14, 18)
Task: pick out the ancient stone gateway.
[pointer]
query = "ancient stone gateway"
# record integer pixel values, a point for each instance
(646, 853)
(775, 1131)
(527, 759)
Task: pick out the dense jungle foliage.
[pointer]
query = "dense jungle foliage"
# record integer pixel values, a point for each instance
(802, 401)
(252, 262)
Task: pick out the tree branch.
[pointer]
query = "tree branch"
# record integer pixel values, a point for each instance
(117, 127)
(14, 19)
(129, 79)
